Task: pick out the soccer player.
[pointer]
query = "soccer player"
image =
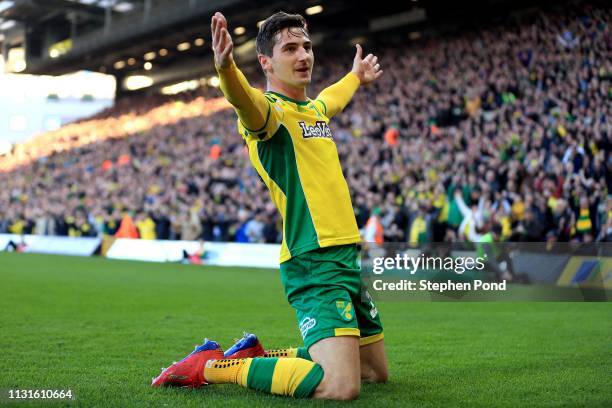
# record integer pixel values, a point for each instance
(292, 148)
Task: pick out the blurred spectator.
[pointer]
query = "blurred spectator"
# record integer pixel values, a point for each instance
(127, 229)
(146, 226)
(374, 231)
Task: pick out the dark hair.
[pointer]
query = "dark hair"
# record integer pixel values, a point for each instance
(497, 229)
(266, 37)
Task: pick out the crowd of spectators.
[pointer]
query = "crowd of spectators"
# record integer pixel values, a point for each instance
(505, 128)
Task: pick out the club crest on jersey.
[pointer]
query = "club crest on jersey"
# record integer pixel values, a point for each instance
(320, 129)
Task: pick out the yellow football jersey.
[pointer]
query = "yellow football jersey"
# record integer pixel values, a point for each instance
(295, 154)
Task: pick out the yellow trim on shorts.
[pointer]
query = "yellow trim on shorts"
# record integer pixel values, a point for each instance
(364, 341)
(347, 331)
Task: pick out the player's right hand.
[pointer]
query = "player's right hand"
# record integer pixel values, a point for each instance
(222, 43)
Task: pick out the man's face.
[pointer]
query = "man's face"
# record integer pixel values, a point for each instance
(292, 58)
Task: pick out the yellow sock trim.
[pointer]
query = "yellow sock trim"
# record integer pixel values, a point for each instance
(282, 353)
(289, 374)
(225, 371)
(244, 373)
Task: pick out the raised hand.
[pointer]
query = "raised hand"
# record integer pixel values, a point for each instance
(366, 69)
(222, 43)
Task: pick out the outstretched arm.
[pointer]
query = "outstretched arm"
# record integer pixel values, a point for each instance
(250, 104)
(465, 210)
(335, 97)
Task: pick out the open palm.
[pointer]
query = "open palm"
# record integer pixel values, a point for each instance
(367, 69)
(222, 43)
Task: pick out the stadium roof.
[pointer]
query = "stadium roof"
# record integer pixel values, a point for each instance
(168, 40)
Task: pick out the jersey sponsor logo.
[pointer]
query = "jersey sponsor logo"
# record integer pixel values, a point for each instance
(319, 129)
(345, 309)
(306, 324)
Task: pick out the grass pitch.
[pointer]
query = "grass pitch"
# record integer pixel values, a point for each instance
(103, 328)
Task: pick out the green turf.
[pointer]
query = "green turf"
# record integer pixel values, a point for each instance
(103, 328)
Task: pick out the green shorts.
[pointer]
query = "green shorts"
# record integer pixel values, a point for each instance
(324, 287)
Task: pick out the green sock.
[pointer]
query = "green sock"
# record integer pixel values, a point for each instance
(302, 352)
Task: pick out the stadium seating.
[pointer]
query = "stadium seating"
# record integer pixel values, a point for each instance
(507, 124)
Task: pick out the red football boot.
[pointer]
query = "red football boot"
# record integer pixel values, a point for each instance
(247, 347)
(189, 372)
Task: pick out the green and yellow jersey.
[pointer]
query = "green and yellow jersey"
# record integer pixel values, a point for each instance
(291, 147)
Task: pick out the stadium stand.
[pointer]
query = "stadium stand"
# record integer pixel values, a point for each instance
(506, 125)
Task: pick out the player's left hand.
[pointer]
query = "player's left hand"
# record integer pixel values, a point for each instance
(366, 69)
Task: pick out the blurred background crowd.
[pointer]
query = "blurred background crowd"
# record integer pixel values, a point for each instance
(504, 129)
